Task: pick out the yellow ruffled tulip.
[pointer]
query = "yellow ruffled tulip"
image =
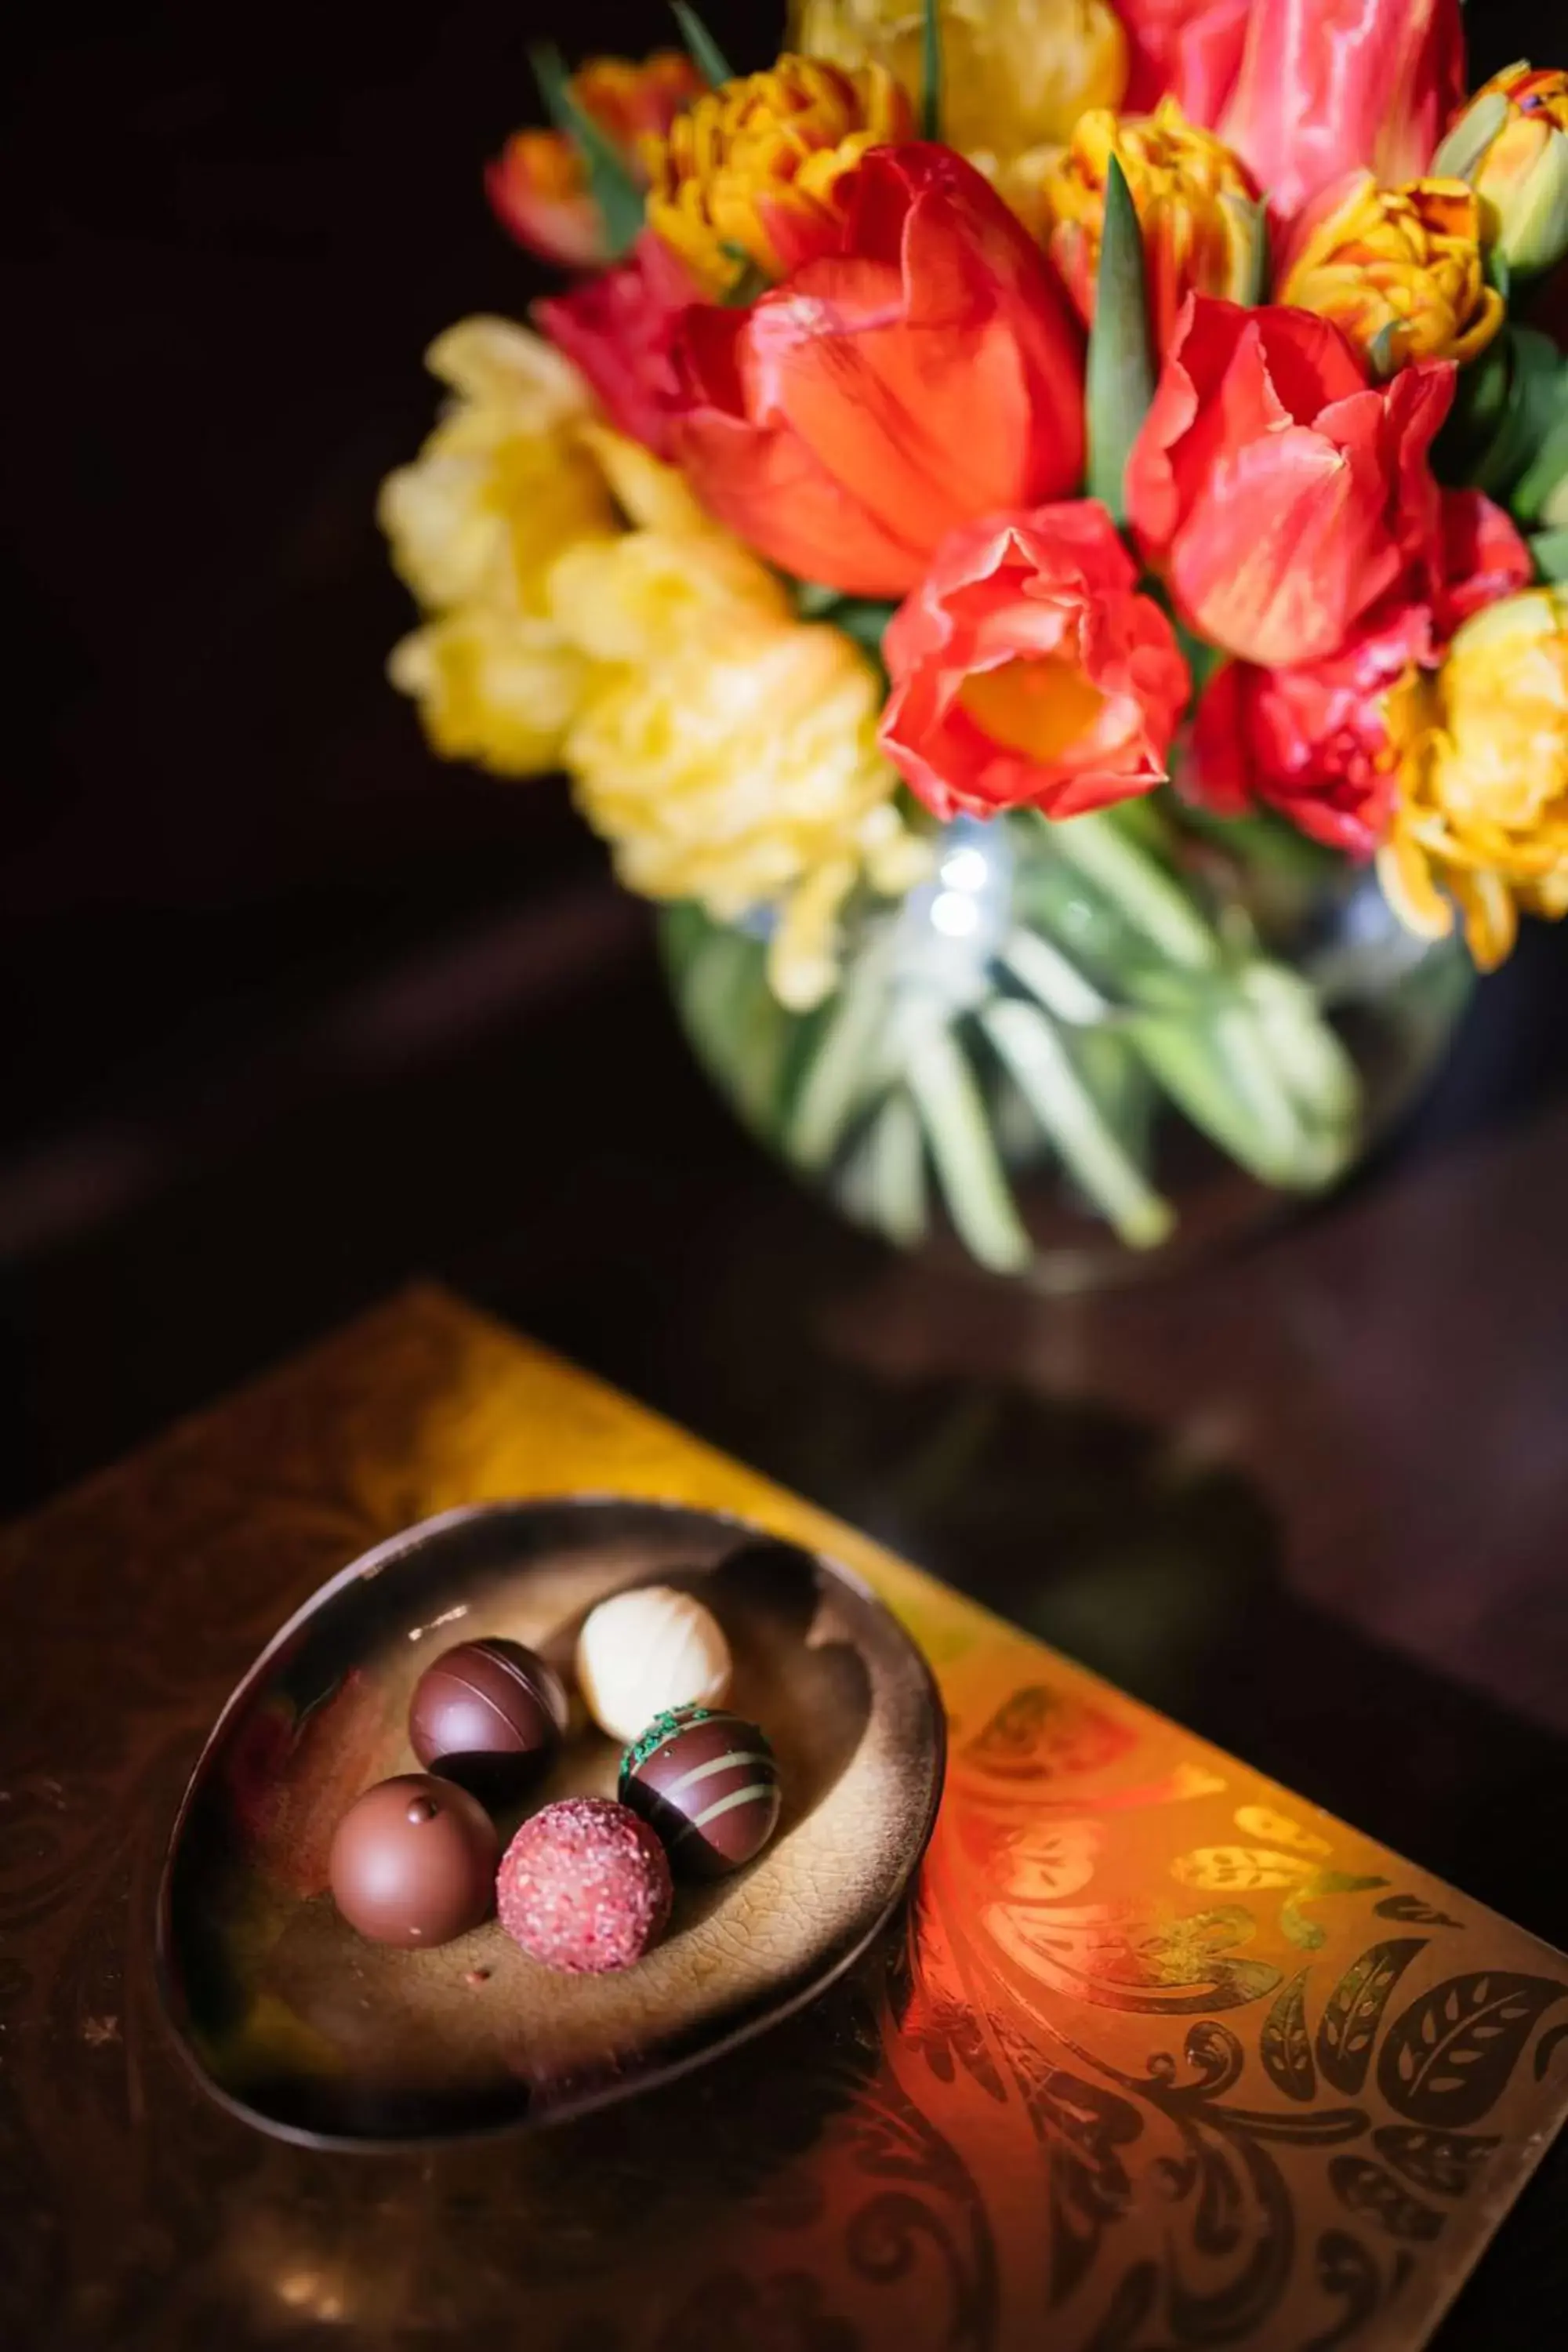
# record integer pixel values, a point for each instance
(499, 489)
(748, 161)
(1401, 271)
(725, 748)
(1512, 145)
(1482, 813)
(500, 688)
(1203, 232)
(1016, 74)
(501, 485)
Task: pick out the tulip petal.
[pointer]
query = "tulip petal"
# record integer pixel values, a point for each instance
(1326, 85)
(928, 373)
(1274, 563)
(770, 489)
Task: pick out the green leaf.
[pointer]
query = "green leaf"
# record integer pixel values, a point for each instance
(614, 190)
(814, 602)
(931, 72)
(864, 618)
(700, 47)
(1257, 293)
(749, 282)
(1470, 137)
(1382, 352)
(1549, 549)
(1120, 378)
(1547, 468)
(1537, 380)
(1496, 269)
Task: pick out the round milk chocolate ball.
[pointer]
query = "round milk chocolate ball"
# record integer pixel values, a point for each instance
(414, 1862)
(486, 1713)
(706, 1781)
(647, 1649)
(584, 1887)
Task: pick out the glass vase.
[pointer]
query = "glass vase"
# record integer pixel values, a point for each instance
(1082, 1049)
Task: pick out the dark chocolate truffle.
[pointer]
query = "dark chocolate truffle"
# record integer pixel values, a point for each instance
(706, 1780)
(584, 1887)
(485, 1715)
(414, 1862)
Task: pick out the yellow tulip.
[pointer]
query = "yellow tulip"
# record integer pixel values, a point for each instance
(501, 486)
(725, 748)
(1482, 812)
(748, 163)
(1203, 232)
(1400, 270)
(1016, 73)
(497, 688)
(1512, 145)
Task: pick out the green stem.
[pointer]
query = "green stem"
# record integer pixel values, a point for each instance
(1054, 978)
(952, 1114)
(1067, 1111)
(1147, 896)
(895, 1171)
(836, 1079)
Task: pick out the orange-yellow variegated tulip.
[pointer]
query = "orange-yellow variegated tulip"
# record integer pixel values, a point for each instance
(747, 177)
(1512, 145)
(1399, 269)
(1198, 210)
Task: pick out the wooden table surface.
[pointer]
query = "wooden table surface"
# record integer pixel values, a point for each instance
(294, 1014)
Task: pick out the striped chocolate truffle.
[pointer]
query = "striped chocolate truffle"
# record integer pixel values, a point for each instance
(486, 1715)
(707, 1782)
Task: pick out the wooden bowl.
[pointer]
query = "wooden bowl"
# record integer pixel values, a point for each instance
(301, 2026)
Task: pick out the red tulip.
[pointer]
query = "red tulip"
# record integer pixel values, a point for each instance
(927, 371)
(1278, 492)
(1313, 740)
(1029, 672)
(1325, 87)
(619, 328)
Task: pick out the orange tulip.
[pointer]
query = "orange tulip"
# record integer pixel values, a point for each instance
(538, 185)
(1029, 672)
(926, 372)
(1314, 740)
(1280, 493)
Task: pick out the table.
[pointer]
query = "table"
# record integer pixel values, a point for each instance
(1157, 2052)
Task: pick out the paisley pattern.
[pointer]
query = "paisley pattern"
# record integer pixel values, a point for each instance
(1155, 2061)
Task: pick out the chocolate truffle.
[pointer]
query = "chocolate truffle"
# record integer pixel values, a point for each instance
(708, 1783)
(644, 1651)
(486, 1713)
(414, 1862)
(584, 1887)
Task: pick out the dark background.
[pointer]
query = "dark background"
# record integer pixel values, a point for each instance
(291, 1012)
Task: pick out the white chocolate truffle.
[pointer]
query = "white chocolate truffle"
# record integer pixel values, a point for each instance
(647, 1649)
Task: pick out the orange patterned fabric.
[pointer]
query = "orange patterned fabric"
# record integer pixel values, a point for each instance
(1159, 2056)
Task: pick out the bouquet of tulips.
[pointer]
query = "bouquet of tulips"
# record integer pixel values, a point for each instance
(1037, 530)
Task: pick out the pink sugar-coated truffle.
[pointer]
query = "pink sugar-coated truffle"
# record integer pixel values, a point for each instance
(584, 1887)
